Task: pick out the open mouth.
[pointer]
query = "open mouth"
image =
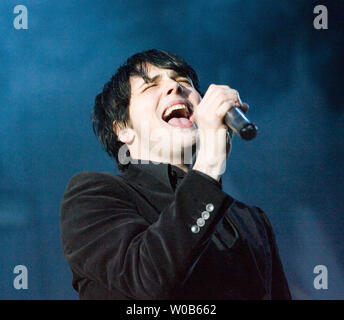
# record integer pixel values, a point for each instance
(178, 115)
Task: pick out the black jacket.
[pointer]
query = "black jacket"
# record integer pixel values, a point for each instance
(138, 236)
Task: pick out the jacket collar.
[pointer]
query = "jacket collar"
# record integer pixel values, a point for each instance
(153, 175)
(155, 182)
(152, 182)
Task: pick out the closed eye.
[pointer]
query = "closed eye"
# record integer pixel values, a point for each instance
(185, 81)
(149, 86)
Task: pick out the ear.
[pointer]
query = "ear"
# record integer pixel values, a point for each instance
(125, 134)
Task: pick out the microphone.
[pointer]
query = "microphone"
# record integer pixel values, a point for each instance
(237, 121)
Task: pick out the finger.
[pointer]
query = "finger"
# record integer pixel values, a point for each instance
(233, 95)
(210, 93)
(225, 107)
(228, 106)
(244, 107)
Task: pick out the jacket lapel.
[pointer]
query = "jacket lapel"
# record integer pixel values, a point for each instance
(150, 187)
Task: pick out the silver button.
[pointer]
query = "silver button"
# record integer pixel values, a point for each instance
(209, 207)
(205, 215)
(195, 229)
(200, 222)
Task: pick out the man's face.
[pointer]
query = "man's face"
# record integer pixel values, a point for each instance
(161, 114)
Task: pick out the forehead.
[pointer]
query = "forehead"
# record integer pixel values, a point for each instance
(149, 72)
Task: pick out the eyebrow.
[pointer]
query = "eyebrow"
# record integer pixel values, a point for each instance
(173, 75)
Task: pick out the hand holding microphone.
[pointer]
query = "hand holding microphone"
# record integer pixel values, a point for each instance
(219, 109)
(225, 103)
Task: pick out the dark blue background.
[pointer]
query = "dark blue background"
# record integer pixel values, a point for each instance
(290, 73)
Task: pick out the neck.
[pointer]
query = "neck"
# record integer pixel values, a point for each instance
(175, 161)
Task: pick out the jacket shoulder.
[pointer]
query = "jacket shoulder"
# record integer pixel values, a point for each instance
(95, 183)
(238, 205)
(91, 177)
(254, 212)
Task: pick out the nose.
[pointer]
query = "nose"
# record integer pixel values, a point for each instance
(173, 87)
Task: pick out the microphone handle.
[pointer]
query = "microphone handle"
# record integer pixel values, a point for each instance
(237, 121)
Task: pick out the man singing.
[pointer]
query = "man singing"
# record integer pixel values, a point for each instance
(163, 228)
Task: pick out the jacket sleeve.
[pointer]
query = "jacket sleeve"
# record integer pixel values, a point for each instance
(279, 286)
(106, 239)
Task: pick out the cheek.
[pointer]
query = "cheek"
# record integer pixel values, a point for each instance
(142, 116)
(195, 98)
(139, 110)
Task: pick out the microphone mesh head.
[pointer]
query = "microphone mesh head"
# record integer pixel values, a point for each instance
(249, 131)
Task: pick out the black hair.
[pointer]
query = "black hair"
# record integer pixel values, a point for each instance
(112, 104)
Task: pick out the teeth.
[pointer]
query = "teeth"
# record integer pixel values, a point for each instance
(176, 107)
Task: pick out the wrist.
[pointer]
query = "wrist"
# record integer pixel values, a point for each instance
(211, 155)
(209, 164)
